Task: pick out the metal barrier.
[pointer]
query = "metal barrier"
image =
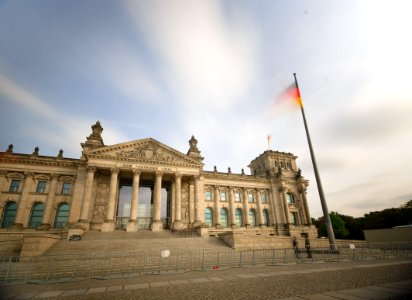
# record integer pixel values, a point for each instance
(63, 268)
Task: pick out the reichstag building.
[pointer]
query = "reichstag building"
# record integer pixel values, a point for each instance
(146, 185)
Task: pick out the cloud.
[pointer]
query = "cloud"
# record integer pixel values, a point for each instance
(204, 62)
(57, 129)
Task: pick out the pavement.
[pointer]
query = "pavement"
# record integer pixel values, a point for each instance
(368, 279)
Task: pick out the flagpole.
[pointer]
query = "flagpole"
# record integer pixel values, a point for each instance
(325, 210)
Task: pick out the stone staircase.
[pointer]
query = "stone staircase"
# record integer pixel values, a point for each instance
(121, 241)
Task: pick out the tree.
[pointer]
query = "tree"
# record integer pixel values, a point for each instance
(338, 226)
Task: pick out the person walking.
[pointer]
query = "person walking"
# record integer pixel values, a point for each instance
(307, 246)
(295, 246)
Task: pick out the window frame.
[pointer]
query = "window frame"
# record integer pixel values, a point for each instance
(208, 192)
(15, 188)
(41, 186)
(238, 199)
(66, 191)
(224, 194)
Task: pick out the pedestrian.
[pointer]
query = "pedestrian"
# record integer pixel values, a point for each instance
(295, 246)
(307, 246)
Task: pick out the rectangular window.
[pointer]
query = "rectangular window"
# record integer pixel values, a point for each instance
(14, 185)
(208, 196)
(237, 197)
(293, 218)
(41, 187)
(66, 188)
(251, 198)
(264, 198)
(223, 196)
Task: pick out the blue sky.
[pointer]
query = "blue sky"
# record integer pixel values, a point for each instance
(170, 69)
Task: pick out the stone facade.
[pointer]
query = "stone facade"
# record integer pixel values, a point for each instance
(145, 184)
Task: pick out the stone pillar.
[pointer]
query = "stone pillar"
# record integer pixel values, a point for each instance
(305, 205)
(245, 208)
(285, 205)
(84, 216)
(22, 209)
(177, 225)
(157, 224)
(2, 181)
(173, 201)
(109, 223)
(199, 201)
(49, 203)
(259, 208)
(232, 207)
(216, 207)
(132, 225)
(191, 202)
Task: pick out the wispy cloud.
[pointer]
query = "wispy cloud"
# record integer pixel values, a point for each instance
(57, 130)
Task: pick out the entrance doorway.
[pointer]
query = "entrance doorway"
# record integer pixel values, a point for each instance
(145, 204)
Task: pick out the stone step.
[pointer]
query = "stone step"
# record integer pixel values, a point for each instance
(97, 242)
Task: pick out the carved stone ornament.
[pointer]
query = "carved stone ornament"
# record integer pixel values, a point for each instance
(148, 152)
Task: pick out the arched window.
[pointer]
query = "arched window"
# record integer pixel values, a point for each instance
(62, 215)
(9, 214)
(36, 215)
(290, 198)
(223, 217)
(252, 218)
(238, 216)
(208, 217)
(265, 217)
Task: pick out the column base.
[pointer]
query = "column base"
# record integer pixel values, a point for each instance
(157, 226)
(108, 226)
(197, 224)
(17, 226)
(263, 226)
(218, 226)
(43, 227)
(132, 226)
(234, 226)
(177, 225)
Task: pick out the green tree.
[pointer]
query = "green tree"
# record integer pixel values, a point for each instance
(338, 226)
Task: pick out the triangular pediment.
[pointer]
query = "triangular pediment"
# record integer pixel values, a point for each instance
(144, 150)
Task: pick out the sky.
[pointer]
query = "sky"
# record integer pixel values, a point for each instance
(214, 69)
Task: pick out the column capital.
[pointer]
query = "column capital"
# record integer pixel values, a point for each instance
(91, 169)
(159, 173)
(114, 170)
(29, 174)
(54, 176)
(282, 189)
(178, 175)
(136, 172)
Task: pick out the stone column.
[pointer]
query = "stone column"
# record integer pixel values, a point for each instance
(199, 201)
(285, 205)
(232, 208)
(259, 208)
(49, 203)
(306, 208)
(84, 216)
(22, 209)
(109, 223)
(216, 207)
(157, 224)
(177, 225)
(245, 208)
(2, 181)
(132, 225)
(173, 201)
(191, 202)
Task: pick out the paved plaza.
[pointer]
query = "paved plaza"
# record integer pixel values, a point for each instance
(371, 279)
